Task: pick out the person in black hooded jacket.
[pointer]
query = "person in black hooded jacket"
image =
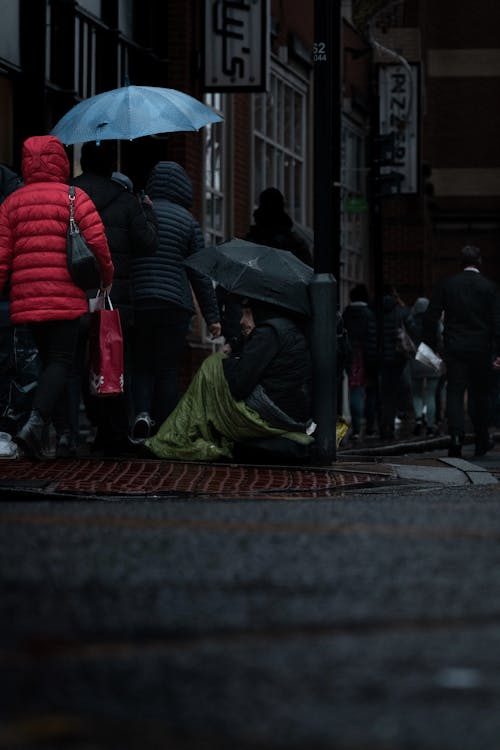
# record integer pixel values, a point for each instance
(276, 356)
(163, 300)
(252, 405)
(274, 227)
(132, 231)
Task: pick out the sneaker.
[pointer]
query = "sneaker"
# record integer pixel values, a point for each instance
(66, 446)
(482, 447)
(455, 447)
(419, 426)
(142, 427)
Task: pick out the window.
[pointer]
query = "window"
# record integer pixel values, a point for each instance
(280, 122)
(9, 31)
(354, 217)
(93, 6)
(214, 215)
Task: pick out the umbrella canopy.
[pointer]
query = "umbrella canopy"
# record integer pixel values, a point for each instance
(258, 271)
(131, 112)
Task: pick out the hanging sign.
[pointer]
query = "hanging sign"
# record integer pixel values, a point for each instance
(236, 45)
(399, 108)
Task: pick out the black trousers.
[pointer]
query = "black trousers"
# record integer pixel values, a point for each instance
(468, 372)
(390, 394)
(56, 343)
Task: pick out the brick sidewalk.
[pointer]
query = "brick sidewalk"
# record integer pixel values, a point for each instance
(91, 478)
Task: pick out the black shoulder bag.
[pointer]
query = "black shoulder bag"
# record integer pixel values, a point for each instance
(82, 264)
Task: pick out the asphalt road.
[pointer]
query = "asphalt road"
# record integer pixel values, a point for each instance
(365, 621)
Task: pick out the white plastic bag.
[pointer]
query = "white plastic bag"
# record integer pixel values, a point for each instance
(98, 302)
(426, 356)
(8, 449)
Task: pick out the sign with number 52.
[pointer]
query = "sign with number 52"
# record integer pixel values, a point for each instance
(319, 52)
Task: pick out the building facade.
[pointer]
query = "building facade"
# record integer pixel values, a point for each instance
(53, 53)
(456, 51)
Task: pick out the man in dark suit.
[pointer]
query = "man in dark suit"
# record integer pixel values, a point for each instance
(471, 306)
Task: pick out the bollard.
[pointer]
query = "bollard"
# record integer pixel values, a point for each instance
(323, 292)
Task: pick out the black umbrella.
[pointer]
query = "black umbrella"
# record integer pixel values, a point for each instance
(258, 271)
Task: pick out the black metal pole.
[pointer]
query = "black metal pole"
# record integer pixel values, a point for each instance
(327, 58)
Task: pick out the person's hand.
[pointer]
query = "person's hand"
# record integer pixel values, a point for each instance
(496, 363)
(215, 330)
(106, 289)
(146, 201)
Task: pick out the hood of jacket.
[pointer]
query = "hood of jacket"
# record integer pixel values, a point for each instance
(169, 180)
(44, 160)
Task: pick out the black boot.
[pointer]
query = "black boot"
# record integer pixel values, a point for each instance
(483, 445)
(31, 436)
(455, 447)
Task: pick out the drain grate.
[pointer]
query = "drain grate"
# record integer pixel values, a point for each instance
(150, 477)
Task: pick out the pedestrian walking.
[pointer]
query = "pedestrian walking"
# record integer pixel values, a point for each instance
(394, 361)
(424, 379)
(360, 324)
(471, 343)
(274, 227)
(19, 360)
(132, 232)
(33, 225)
(163, 300)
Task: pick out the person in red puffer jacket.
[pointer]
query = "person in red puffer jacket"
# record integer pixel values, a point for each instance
(33, 226)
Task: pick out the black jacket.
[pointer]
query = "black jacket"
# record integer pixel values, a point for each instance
(394, 317)
(471, 306)
(130, 228)
(164, 279)
(9, 181)
(277, 231)
(276, 356)
(360, 324)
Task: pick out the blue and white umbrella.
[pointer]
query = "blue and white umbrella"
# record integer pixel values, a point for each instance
(132, 112)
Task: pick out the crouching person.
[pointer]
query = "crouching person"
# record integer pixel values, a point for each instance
(251, 404)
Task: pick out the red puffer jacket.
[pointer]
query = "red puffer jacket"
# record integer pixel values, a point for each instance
(33, 225)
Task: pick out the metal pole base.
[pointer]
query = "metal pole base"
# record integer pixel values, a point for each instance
(323, 290)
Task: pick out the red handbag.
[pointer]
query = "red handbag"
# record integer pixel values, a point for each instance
(105, 351)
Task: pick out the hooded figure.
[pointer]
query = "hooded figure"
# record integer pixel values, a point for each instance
(163, 301)
(130, 225)
(132, 232)
(274, 227)
(254, 403)
(33, 226)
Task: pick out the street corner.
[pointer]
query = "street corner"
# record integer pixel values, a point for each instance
(445, 471)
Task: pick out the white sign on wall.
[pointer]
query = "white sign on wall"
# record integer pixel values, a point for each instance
(236, 45)
(399, 108)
